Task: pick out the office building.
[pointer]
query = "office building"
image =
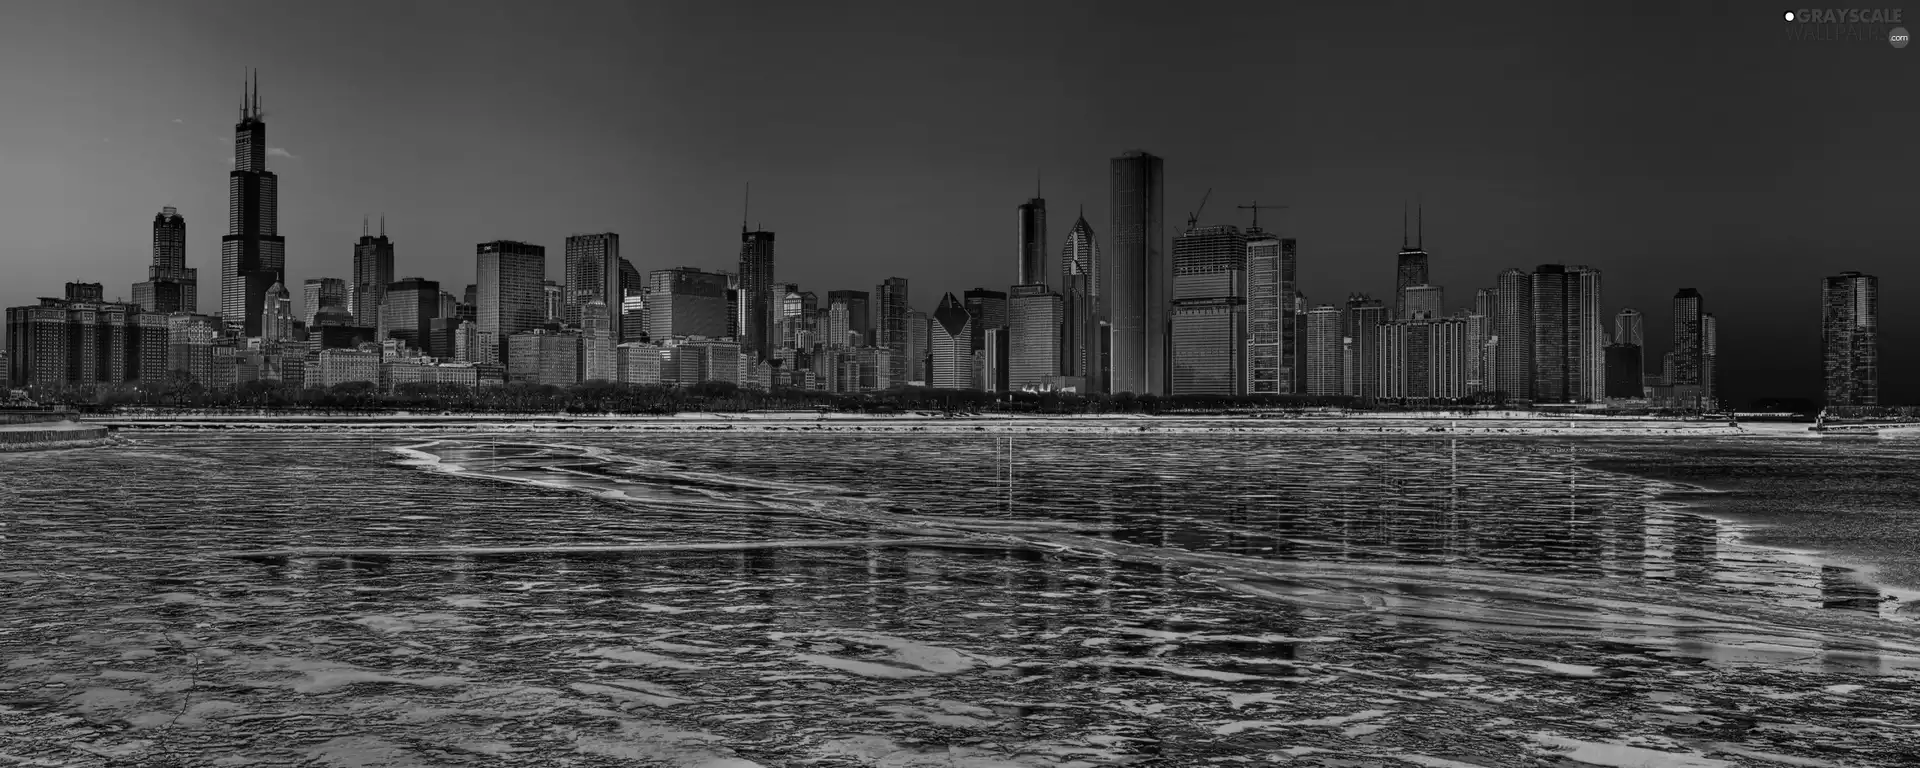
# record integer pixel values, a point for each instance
(1137, 290)
(756, 292)
(1423, 359)
(1422, 301)
(1569, 363)
(1208, 325)
(372, 273)
(1689, 348)
(1033, 245)
(510, 295)
(1269, 316)
(1513, 327)
(1358, 363)
(1323, 351)
(1625, 378)
(597, 342)
(951, 345)
(1850, 339)
(1709, 359)
(253, 255)
(989, 311)
(1033, 337)
(410, 306)
(1080, 304)
(171, 286)
(544, 357)
(685, 301)
(593, 269)
(319, 292)
(1410, 269)
(276, 313)
(859, 306)
(891, 327)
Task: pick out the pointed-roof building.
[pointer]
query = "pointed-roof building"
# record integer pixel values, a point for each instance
(952, 345)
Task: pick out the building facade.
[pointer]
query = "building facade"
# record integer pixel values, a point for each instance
(171, 286)
(1850, 339)
(510, 295)
(1137, 290)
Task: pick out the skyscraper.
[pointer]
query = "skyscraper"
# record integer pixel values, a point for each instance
(1568, 361)
(1080, 305)
(1033, 244)
(1422, 300)
(1625, 379)
(1709, 358)
(276, 313)
(1137, 287)
(1033, 337)
(510, 293)
(319, 292)
(756, 290)
(372, 273)
(950, 338)
(1689, 347)
(859, 313)
(1359, 374)
(553, 296)
(409, 309)
(1513, 328)
(253, 255)
(686, 301)
(989, 311)
(1268, 367)
(171, 286)
(1850, 337)
(891, 329)
(593, 272)
(1410, 270)
(1323, 346)
(1209, 325)
(919, 351)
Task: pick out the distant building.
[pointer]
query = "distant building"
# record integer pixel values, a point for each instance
(1137, 290)
(757, 298)
(253, 254)
(1323, 345)
(1569, 364)
(950, 340)
(372, 273)
(597, 342)
(276, 313)
(171, 285)
(638, 363)
(554, 298)
(1033, 246)
(892, 329)
(1689, 348)
(1269, 317)
(320, 292)
(1410, 271)
(1624, 376)
(859, 314)
(1513, 326)
(1356, 348)
(332, 367)
(509, 296)
(593, 274)
(1208, 325)
(1850, 339)
(685, 301)
(76, 341)
(1080, 343)
(1423, 359)
(544, 357)
(411, 305)
(1709, 362)
(919, 349)
(1033, 337)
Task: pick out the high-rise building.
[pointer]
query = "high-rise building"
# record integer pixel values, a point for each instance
(319, 292)
(1359, 369)
(1136, 292)
(989, 311)
(859, 313)
(372, 273)
(1480, 349)
(685, 301)
(1630, 327)
(509, 293)
(951, 345)
(411, 305)
(1033, 246)
(253, 255)
(756, 292)
(171, 286)
(1709, 358)
(891, 329)
(1569, 363)
(594, 272)
(597, 342)
(1410, 269)
(1208, 324)
(77, 341)
(276, 313)
(1423, 359)
(1268, 367)
(1422, 300)
(1080, 304)
(1625, 380)
(1033, 336)
(919, 349)
(1323, 348)
(1850, 337)
(553, 297)
(1513, 328)
(1689, 347)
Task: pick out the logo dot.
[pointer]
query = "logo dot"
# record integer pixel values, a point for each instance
(1898, 37)
(1789, 15)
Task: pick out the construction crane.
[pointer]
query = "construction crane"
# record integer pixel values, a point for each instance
(1256, 210)
(1193, 219)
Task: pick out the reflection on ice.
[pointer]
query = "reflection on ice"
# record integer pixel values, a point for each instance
(850, 601)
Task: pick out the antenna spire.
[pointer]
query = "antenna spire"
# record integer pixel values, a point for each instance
(1036, 185)
(256, 94)
(363, 225)
(745, 207)
(246, 78)
(383, 225)
(1403, 225)
(1420, 222)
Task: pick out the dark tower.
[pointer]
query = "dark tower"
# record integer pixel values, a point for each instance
(253, 255)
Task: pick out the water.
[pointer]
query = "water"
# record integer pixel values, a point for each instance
(731, 600)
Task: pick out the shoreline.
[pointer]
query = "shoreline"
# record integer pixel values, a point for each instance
(1479, 425)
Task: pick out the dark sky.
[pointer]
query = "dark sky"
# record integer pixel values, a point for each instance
(1667, 144)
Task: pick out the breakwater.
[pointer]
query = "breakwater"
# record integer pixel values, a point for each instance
(50, 433)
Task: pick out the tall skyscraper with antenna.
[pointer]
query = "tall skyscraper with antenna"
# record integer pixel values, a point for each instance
(1412, 268)
(372, 273)
(756, 287)
(253, 255)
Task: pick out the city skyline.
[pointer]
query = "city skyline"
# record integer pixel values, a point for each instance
(1829, 218)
